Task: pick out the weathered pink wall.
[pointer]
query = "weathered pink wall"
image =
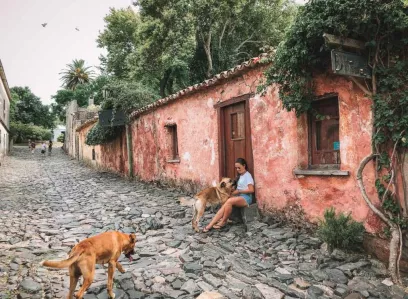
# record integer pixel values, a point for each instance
(280, 145)
(85, 151)
(112, 156)
(279, 142)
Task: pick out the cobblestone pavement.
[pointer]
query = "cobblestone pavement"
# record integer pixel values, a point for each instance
(49, 203)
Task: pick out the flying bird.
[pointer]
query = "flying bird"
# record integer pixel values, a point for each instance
(45, 24)
(76, 28)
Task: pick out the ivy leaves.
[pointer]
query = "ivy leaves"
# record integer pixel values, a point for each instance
(102, 135)
(383, 26)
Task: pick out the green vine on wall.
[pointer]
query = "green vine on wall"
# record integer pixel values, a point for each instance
(383, 26)
(101, 135)
(121, 95)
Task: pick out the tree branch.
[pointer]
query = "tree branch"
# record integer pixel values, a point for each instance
(404, 182)
(360, 182)
(399, 255)
(244, 42)
(365, 90)
(207, 49)
(222, 33)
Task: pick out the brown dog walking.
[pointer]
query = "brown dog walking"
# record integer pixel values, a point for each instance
(101, 249)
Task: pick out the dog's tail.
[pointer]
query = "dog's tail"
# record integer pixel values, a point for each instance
(62, 264)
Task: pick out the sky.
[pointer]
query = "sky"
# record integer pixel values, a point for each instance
(33, 55)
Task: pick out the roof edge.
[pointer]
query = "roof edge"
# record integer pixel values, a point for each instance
(262, 59)
(87, 123)
(4, 79)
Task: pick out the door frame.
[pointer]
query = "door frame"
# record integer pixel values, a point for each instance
(221, 128)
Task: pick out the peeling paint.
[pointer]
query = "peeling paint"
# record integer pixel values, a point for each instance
(187, 156)
(210, 103)
(279, 142)
(212, 152)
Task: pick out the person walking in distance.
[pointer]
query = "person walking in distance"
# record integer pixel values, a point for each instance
(32, 147)
(49, 148)
(43, 148)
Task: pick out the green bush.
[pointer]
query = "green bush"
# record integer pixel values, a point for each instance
(61, 138)
(340, 231)
(22, 132)
(101, 135)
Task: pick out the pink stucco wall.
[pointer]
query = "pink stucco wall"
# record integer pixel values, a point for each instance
(110, 156)
(279, 143)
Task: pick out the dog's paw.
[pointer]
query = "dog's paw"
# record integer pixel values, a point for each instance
(122, 271)
(113, 296)
(42, 263)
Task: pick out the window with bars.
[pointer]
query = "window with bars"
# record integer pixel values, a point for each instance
(324, 138)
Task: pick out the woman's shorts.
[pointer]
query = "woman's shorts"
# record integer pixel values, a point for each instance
(247, 197)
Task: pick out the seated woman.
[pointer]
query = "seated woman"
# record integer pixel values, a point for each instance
(242, 196)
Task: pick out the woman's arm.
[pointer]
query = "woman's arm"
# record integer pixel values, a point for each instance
(250, 190)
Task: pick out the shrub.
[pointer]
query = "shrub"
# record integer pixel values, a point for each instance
(61, 138)
(101, 135)
(340, 231)
(22, 132)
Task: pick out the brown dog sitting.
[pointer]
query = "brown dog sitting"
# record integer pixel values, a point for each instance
(213, 196)
(100, 249)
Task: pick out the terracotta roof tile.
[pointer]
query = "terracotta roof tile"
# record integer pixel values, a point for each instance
(87, 123)
(261, 59)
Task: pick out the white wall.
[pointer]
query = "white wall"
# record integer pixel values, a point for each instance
(57, 132)
(4, 142)
(4, 117)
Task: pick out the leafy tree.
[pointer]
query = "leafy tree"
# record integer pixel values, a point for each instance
(27, 108)
(171, 44)
(383, 26)
(118, 38)
(233, 31)
(165, 47)
(13, 104)
(127, 96)
(22, 132)
(75, 74)
(81, 94)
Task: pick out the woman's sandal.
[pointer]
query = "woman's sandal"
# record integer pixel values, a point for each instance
(219, 226)
(206, 230)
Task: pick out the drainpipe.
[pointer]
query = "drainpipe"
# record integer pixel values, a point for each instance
(129, 149)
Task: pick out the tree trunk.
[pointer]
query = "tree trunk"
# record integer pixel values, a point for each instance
(163, 83)
(393, 258)
(207, 49)
(404, 175)
(395, 238)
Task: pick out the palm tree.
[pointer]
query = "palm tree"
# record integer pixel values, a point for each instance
(76, 73)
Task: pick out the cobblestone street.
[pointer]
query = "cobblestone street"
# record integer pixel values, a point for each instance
(47, 204)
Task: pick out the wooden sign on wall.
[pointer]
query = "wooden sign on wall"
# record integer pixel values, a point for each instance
(350, 64)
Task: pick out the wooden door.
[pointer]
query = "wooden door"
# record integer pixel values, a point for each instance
(236, 138)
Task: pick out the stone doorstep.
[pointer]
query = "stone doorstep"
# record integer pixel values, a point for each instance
(245, 215)
(249, 214)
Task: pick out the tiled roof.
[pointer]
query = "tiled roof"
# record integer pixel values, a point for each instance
(87, 123)
(3, 78)
(261, 59)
